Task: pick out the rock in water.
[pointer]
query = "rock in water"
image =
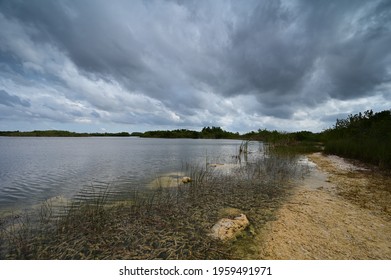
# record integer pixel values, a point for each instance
(226, 228)
(186, 180)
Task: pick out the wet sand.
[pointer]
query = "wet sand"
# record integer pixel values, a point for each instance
(341, 211)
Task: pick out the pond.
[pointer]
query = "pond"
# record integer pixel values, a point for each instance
(34, 169)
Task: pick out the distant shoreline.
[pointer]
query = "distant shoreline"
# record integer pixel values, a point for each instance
(59, 133)
(205, 133)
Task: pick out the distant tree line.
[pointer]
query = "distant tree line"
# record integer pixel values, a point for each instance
(58, 133)
(282, 138)
(206, 133)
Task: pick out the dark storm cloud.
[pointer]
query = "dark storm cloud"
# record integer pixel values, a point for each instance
(186, 58)
(278, 52)
(89, 32)
(12, 100)
(266, 55)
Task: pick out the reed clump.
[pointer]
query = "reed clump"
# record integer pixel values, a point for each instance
(163, 223)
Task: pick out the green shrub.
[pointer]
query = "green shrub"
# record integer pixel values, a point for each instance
(365, 137)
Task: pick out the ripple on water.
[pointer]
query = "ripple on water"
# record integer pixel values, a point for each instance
(35, 169)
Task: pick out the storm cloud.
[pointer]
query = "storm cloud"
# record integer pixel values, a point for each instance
(242, 65)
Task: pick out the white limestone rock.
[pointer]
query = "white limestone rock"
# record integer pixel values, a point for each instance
(227, 228)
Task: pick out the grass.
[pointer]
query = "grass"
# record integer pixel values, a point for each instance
(298, 148)
(163, 223)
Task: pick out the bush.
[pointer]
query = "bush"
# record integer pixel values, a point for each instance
(365, 137)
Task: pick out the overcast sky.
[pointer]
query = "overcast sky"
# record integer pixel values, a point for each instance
(95, 66)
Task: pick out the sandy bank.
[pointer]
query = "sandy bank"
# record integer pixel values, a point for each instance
(339, 212)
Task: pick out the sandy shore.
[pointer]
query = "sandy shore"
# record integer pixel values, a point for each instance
(341, 211)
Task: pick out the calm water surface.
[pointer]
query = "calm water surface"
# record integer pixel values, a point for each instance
(35, 169)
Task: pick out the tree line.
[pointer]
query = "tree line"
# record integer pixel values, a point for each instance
(58, 133)
(363, 136)
(206, 133)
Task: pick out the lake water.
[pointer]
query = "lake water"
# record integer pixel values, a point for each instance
(35, 169)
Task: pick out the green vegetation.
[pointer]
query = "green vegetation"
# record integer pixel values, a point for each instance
(301, 142)
(205, 133)
(217, 133)
(282, 138)
(42, 133)
(178, 133)
(364, 136)
(58, 133)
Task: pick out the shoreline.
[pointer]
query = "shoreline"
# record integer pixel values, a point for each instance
(339, 212)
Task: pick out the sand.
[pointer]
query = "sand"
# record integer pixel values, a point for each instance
(340, 211)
